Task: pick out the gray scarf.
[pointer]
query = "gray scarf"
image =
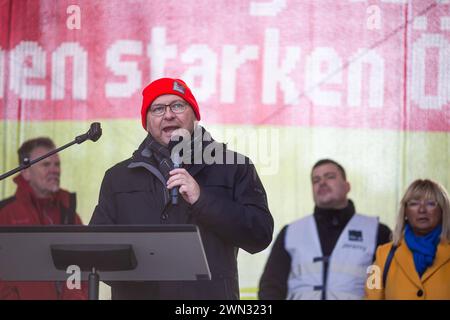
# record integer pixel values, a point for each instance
(162, 154)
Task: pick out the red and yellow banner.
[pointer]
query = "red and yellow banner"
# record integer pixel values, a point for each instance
(321, 63)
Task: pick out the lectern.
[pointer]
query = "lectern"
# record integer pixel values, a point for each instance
(107, 253)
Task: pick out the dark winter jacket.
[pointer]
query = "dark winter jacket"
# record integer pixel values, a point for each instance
(231, 213)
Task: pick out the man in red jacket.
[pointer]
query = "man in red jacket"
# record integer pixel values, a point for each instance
(39, 201)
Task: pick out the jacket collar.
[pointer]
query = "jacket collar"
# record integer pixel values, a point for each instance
(405, 260)
(25, 192)
(442, 257)
(143, 155)
(335, 217)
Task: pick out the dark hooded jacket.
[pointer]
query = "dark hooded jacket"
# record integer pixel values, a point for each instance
(231, 213)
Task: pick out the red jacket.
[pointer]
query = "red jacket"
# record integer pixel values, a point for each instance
(26, 209)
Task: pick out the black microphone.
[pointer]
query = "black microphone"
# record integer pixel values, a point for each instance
(94, 133)
(174, 146)
(176, 159)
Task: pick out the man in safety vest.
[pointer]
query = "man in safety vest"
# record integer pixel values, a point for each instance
(324, 255)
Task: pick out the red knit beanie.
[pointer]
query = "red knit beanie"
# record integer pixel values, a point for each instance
(166, 86)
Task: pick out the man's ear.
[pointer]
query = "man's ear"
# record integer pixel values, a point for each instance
(348, 186)
(26, 174)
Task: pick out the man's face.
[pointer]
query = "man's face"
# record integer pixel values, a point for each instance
(43, 176)
(162, 127)
(329, 187)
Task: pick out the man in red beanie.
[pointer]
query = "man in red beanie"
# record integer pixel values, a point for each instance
(225, 200)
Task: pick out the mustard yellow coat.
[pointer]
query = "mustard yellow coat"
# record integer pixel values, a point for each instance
(403, 281)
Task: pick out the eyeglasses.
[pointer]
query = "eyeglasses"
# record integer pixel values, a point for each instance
(415, 204)
(158, 110)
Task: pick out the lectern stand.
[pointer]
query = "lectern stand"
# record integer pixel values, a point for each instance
(93, 257)
(107, 253)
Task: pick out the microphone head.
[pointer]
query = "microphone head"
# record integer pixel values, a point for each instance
(95, 131)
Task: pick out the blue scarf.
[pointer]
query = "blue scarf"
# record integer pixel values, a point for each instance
(423, 247)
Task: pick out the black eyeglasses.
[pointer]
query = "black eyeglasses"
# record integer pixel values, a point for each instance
(159, 109)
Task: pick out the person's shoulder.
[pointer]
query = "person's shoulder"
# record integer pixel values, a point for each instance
(232, 163)
(381, 226)
(299, 221)
(445, 245)
(384, 248)
(8, 208)
(384, 234)
(283, 229)
(6, 202)
(384, 228)
(383, 252)
(120, 166)
(365, 216)
(234, 157)
(65, 194)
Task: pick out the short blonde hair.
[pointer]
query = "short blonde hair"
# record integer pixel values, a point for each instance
(430, 190)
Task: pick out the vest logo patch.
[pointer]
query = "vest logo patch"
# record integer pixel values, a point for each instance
(355, 235)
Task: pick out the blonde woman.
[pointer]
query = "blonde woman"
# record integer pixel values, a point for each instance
(416, 264)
